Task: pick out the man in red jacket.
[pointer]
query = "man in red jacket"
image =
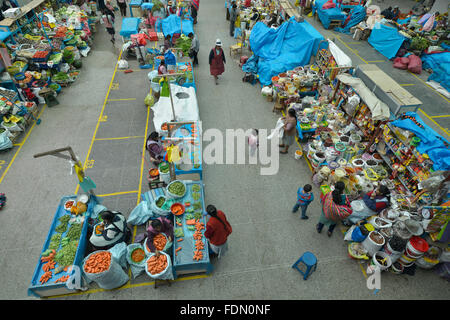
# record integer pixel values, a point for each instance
(217, 231)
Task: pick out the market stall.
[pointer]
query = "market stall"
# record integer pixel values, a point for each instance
(386, 40)
(130, 26)
(64, 247)
(331, 17)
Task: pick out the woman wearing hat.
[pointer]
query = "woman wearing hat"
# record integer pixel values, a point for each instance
(217, 60)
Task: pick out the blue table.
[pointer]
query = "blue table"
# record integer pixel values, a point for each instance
(327, 15)
(50, 288)
(129, 26)
(190, 83)
(134, 4)
(301, 132)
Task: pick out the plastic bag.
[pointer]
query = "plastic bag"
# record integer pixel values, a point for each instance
(136, 267)
(415, 64)
(119, 252)
(277, 132)
(167, 247)
(166, 274)
(97, 210)
(140, 215)
(399, 64)
(266, 91)
(163, 211)
(112, 278)
(123, 64)
(149, 100)
(64, 67)
(5, 142)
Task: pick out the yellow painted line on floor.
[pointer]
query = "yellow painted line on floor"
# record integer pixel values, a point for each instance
(126, 286)
(354, 42)
(119, 138)
(128, 99)
(445, 116)
(142, 161)
(100, 117)
(375, 61)
(407, 84)
(430, 87)
(21, 145)
(17, 144)
(117, 193)
(362, 269)
(352, 50)
(434, 122)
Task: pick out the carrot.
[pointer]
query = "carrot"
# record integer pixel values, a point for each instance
(179, 224)
(159, 241)
(190, 222)
(187, 204)
(156, 264)
(179, 240)
(178, 249)
(45, 277)
(98, 262)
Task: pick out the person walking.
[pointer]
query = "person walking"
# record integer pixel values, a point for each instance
(195, 47)
(122, 4)
(217, 231)
(233, 17)
(108, 21)
(217, 61)
(335, 206)
(304, 198)
(290, 129)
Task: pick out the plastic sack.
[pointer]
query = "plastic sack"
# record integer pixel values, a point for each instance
(328, 5)
(277, 132)
(14, 128)
(174, 196)
(136, 267)
(415, 64)
(163, 211)
(170, 58)
(140, 215)
(64, 67)
(5, 142)
(97, 210)
(119, 252)
(167, 247)
(112, 278)
(123, 64)
(166, 274)
(399, 63)
(149, 100)
(266, 91)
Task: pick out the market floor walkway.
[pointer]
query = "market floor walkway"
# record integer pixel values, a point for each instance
(103, 118)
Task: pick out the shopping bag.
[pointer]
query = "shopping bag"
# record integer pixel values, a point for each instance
(165, 92)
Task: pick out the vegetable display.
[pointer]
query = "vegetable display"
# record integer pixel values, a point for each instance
(137, 255)
(184, 43)
(159, 241)
(54, 241)
(157, 264)
(160, 202)
(196, 196)
(177, 188)
(66, 255)
(98, 262)
(196, 188)
(74, 232)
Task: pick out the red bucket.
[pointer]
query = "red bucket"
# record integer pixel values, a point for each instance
(417, 245)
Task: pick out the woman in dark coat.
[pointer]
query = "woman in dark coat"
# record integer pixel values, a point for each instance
(217, 60)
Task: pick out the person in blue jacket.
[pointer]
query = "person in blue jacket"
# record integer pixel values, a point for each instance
(304, 198)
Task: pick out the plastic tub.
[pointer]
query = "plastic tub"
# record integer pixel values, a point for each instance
(372, 245)
(417, 245)
(380, 256)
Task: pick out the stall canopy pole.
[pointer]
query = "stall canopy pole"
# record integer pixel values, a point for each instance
(173, 126)
(59, 154)
(165, 76)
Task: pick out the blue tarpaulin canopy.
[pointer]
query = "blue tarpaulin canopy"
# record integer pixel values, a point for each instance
(357, 14)
(326, 15)
(440, 64)
(386, 40)
(431, 143)
(129, 26)
(285, 48)
(172, 25)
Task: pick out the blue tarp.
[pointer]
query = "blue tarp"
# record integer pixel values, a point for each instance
(129, 26)
(172, 25)
(431, 143)
(327, 15)
(440, 63)
(357, 14)
(386, 40)
(285, 48)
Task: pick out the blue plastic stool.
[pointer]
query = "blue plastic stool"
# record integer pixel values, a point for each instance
(310, 261)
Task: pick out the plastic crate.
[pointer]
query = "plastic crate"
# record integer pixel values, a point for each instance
(44, 59)
(50, 288)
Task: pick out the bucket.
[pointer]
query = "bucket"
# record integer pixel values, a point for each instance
(377, 158)
(406, 261)
(349, 153)
(411, 255)
(358, 163)
(417, 245)
(339, 174)
(340, 147)
(391, 252)
(373, 243)
(344, 139)
(360, 148)
(298, 154)
(381, 260)
(319, 157)
(396, 268)
(333, 165)
(164, 176)
(366, 157)
(370, 163)
(342, 162)
(426, 263)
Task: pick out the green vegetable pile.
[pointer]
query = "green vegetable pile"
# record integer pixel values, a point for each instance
(164, 168)
(66, 256)
(419, 43)
(189, 216)
(61, 228)
(160, 202)
(178, 232)
(184, 43)
(196, 188)
(196, 196)
(198, 215)
(54, 241)
(60, 76)
(177, 188)
(157, 5)
(191, 228)
(197, 205)
(74, 232)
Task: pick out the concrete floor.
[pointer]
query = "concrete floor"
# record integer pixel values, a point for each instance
(267, 238)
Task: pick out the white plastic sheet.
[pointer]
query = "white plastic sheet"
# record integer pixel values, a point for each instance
(185, 109)
(341, 58)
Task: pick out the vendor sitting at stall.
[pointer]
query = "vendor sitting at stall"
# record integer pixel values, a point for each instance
(162, 68)
(372, 203)
(254, 18)
(113, 230)
(155, 148)
(157, 226)
(387, 13)
(395, 13)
